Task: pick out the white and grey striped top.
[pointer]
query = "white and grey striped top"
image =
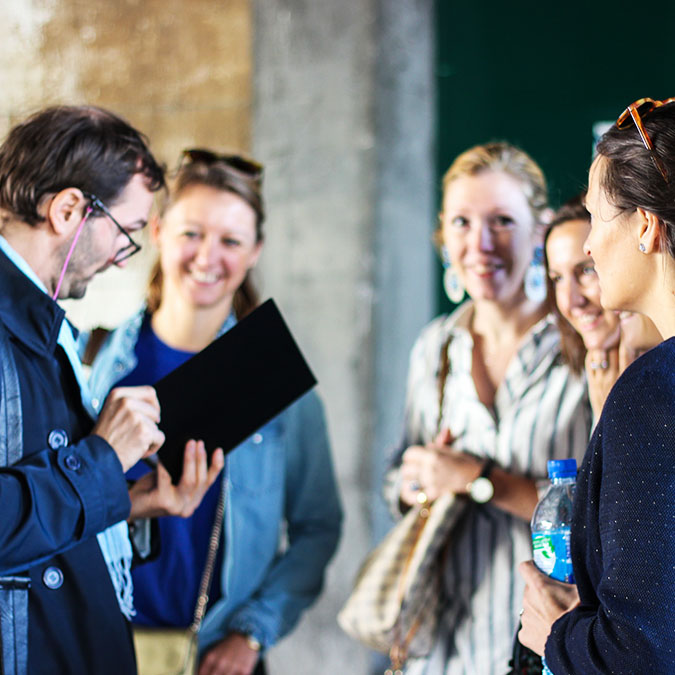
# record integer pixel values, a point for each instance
(541, 411)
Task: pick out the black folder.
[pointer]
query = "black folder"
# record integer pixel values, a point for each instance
(232, 387)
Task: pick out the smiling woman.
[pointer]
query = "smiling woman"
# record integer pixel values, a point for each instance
(592, 336)
(209, 236)
(503, 406)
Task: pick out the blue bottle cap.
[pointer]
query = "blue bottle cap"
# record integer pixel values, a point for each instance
(562, 468)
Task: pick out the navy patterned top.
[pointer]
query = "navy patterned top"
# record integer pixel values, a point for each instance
(623, 532)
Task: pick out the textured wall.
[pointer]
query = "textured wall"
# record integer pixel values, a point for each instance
(180, 71)
(334, 97)
(313, 125)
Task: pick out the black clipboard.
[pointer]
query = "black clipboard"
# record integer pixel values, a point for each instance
(232, 387)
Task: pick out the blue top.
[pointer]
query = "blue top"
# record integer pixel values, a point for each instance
(623, 532)
(279, 480)
(189, 537)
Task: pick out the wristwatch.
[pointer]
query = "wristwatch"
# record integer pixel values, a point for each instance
(481, 490)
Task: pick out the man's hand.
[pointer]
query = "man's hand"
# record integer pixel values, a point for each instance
(544, 602)
(231, 656)
(128, 422)
(154, 494)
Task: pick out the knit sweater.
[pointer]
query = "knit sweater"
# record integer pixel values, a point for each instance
(623, 532)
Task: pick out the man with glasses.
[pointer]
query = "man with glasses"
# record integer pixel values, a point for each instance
(75, 184)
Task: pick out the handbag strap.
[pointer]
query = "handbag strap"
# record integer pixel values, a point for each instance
(13, 589)
(443, 372)
(399, 650)
(207, 574)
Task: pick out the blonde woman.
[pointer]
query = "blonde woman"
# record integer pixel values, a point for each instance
(508, 404)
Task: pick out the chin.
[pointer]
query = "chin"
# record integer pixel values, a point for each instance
(76, 293)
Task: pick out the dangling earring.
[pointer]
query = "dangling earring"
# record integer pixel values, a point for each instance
(451, 282)
(535, 277)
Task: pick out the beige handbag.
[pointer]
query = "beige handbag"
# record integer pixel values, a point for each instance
(398, 594)
(174, 651)
(397, 597)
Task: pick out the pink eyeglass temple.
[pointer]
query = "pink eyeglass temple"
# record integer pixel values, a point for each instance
(70, 251)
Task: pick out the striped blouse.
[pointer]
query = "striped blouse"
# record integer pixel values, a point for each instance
(541, 411)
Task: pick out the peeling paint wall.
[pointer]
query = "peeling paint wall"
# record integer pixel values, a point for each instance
(179, 71)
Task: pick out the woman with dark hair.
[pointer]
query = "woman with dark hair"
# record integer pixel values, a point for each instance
(209, 237)
(599, 339)
(623, 548)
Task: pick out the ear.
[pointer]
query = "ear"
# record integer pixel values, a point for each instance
(540, 227)
(155, 227)
(65, 211)
(256, 254)
(650, 229)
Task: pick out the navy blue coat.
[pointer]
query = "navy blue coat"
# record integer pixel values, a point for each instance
(623, 532)
(67, 488)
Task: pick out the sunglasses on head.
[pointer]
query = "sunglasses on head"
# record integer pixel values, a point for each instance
(635, 113)
(243, 165)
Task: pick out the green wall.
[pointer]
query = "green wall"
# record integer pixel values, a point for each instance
(539, 75)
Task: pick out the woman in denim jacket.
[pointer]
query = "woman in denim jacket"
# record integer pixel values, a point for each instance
(209, 238)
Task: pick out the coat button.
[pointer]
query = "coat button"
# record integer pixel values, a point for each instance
(257, 438)
(52, 578)
(73, 462)
(57, 438)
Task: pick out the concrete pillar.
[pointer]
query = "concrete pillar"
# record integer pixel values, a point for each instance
(313, 128)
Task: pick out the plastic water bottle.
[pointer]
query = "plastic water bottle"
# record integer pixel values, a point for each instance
(551, 525)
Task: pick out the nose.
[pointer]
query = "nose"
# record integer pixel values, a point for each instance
(482, 237)
(587, 247)
(205, 251)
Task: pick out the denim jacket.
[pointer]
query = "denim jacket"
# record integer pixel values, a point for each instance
(282, 516)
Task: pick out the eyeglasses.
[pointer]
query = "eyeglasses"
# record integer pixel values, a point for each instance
(636, 112)
(132, 247)
(243, 165)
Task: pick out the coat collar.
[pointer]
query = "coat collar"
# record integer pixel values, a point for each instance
(28, 313)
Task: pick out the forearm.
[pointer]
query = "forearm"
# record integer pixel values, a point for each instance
(52, 500)
(514, 494)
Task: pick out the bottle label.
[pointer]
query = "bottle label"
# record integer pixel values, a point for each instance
(552, 554)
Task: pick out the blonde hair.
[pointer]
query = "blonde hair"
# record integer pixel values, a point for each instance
(508, 159)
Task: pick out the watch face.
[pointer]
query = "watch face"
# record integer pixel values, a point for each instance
(482, 490)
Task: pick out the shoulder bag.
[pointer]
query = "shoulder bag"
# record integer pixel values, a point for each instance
(398, 593)
(174, 651)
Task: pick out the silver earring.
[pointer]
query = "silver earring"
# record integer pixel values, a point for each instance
(452, 284)
(643, 248)
(535, 277)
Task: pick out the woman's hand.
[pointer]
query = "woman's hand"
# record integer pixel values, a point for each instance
(230, 656)
(154, 494)
(602, 371)
(544, 602)
(603, 368)
(436, 468)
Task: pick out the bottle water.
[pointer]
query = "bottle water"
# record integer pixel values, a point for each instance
(551, 525)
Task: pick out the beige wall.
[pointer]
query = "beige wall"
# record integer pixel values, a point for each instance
(179, 71)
